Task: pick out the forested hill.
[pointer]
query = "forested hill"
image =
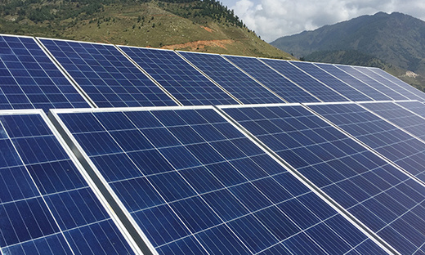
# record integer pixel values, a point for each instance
(177, 24)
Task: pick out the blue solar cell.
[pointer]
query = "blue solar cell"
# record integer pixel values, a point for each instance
(383, 88)
(46, 205)
(231, 78)
(416, 107)
(106, 75)
(387, 139)
(361, 182)
(185, 83)
(353, 82)
(307, 82)
(29, 79)
(210, 194)
(331, 81)
(400, 116)
(273, 80)
(394, 84)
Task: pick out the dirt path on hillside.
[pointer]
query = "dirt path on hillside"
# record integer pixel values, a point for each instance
(197, 45)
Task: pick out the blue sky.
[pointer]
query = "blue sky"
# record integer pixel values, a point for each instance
(272, 19)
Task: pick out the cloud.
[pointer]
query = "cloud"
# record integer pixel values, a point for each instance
(272, 19)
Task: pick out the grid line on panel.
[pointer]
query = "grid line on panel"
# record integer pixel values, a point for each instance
(45, 197)
(272, 79)
(30, 79)
(304, 80)
(231, 78)
(415, 107)
(204, 166)
(176, 75)
(361, 182)
(227, 58)
(390, 92)
(334, 83)
(393, 143)
(401, 117)
(397, 87)
(352, 81)
(106, 75)
(400, 83)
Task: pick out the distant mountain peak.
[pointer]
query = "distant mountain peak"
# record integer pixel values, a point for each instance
(396, 39)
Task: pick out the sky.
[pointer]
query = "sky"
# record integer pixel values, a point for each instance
(271, 19)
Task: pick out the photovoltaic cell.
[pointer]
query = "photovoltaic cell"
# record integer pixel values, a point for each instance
(46, 206)
(400, 83)
(416, 107)
(400, 116)
(30, 80)
(352, 81)
(273, 80)
(196, 185)
(231, 78)
(331, 81)
(387, 201)
(183, 81)
(393, 143)
(302, 79)
(390, 92)
(369, 71)
(106, 75)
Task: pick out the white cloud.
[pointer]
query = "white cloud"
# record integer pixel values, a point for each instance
(272, 19)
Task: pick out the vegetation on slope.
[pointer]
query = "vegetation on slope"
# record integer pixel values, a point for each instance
(177, 24)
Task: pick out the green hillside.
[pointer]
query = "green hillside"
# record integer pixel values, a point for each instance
(205, 26)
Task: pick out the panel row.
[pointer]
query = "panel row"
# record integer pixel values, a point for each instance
(49, 73)
(318, 178)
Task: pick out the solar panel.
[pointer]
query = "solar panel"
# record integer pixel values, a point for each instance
(30, 80)
(231, 78)
(414, 106)
(272, 79)
(353, 82)
(398, 146)
(106, 75)
(407, 120)
(310, 84)
(338, 85)
(400, 83)
(196, 185)
(390, 92)
(369, 71)
(188, 85)
(387, 201)
(46, 205)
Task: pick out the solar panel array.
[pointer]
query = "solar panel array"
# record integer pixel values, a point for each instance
(205, 188)
(324, 159)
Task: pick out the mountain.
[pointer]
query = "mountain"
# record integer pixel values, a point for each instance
(396, 40)
(194, 25)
